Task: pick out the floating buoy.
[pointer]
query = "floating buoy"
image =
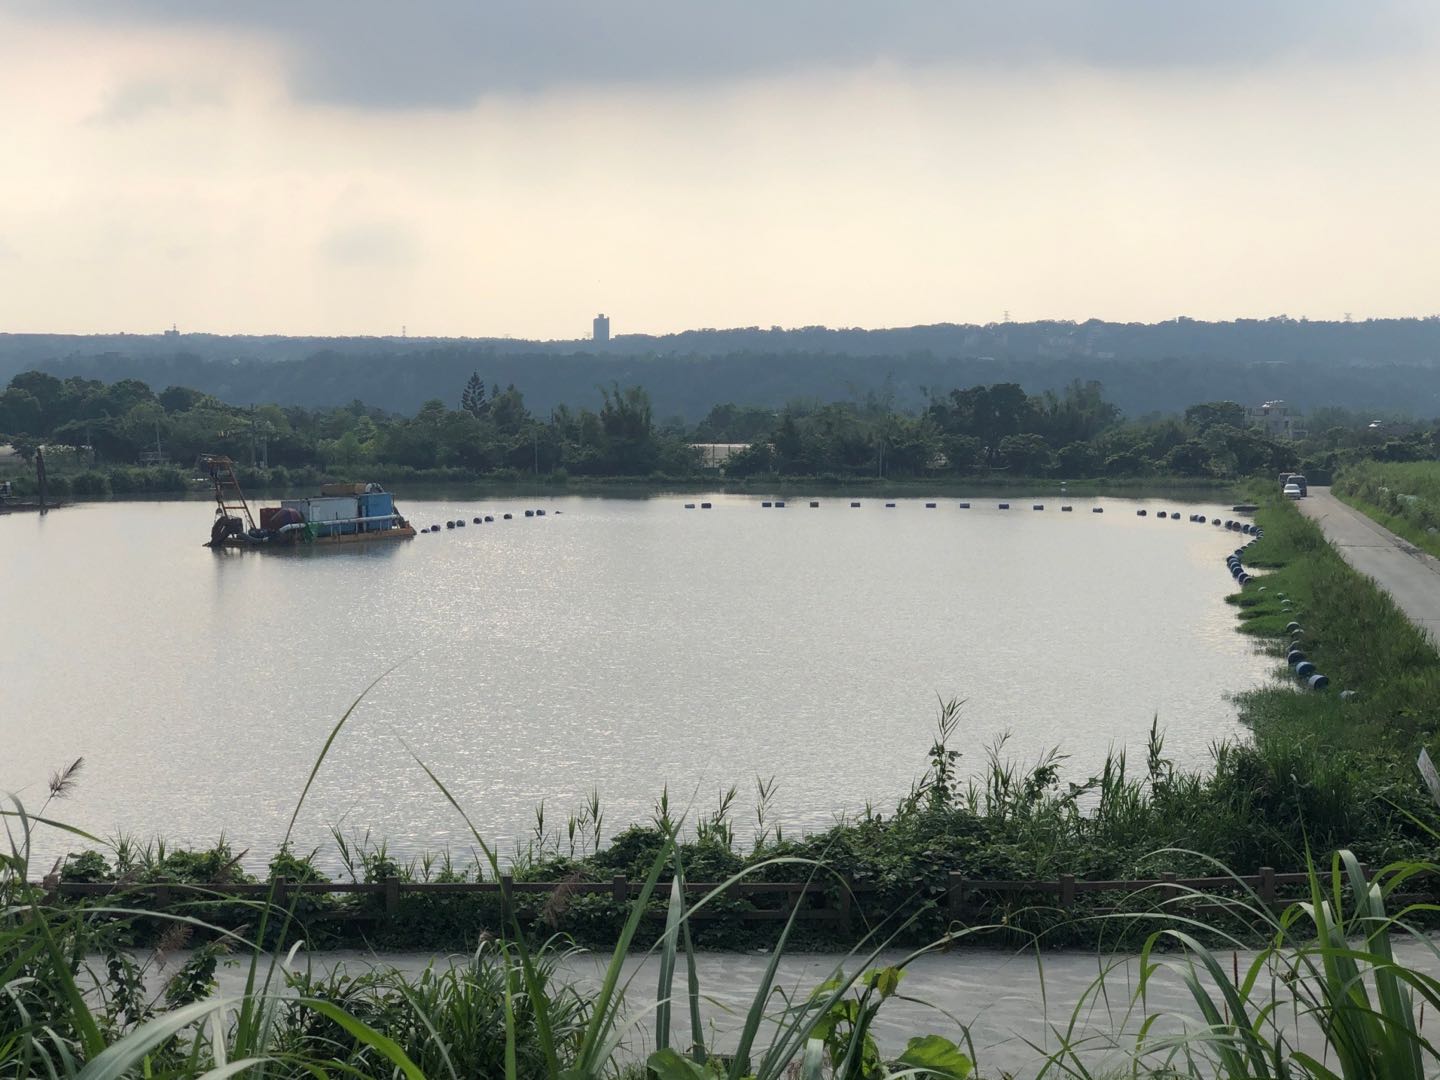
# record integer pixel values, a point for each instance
(1294, 656)
(1318, 682)
(964, 506)
(1243, 578)
(1141, 513)
(1348, 695)
(509, 516)
(1004, 506)
(1038, 506)
(529, 513)
(929, 506)
(479, 521)
(1214, 521)
(1175, 516)
(689, 506)
(1291, 626)
(1304, 669)
(813, 505)
(854, 505)
(889, 506)
(488, 518)
(539, 513)
(704, 506)
(780, 504)
(460, 523)
(1097, 510)
(449, 524)
(766, 505)
(1067, 509)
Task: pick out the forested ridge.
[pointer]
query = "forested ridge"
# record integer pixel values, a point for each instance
(1381, 364)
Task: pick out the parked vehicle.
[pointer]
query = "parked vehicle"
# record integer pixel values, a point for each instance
(1292, 491)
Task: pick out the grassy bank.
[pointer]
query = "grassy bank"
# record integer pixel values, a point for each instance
(1404, 497)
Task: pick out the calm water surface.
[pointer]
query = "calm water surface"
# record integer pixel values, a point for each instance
(614, 644)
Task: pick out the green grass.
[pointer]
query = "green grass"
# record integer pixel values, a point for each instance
(1402, 496)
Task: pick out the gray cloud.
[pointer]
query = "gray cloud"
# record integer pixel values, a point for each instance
(449, 53)
(373, 243)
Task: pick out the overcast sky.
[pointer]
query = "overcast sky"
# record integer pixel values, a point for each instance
(352, 166)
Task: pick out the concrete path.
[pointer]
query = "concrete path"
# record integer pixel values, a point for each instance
(1014, 1008)
(1409, 575)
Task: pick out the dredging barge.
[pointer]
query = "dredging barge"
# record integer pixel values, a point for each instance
(340, 514)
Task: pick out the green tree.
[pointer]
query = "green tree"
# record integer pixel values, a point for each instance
(1210, 414)
(472, 398)
(1026, 455)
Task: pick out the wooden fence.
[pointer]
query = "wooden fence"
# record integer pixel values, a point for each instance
(816, 901)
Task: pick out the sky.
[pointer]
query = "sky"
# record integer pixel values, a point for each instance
(512, 167)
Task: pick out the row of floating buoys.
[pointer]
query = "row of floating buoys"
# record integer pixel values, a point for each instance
(459, 523)
(1161, 515)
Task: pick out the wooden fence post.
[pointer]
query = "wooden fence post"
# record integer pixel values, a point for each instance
(1067, 891)
(280, 892)
(1168, 891)
(956, 895)
(846, 917)
(392, 896)
(506, 881)
(620, 889)
(1267, 885)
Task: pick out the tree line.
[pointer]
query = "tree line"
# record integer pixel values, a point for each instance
(488, 431)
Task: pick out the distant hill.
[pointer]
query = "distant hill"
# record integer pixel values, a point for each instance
(1382, 364)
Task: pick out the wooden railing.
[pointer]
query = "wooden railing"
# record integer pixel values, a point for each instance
(965, 898)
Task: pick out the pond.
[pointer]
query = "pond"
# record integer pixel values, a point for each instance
(618, 645)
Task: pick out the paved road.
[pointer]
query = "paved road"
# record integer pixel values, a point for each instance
(1411, 577)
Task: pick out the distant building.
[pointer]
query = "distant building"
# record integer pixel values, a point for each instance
(1275, 420)
(174, 331)
(602, 329)
(714, 455)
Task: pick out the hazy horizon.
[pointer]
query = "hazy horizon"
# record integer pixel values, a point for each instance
(477, 170)
(585, 337)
